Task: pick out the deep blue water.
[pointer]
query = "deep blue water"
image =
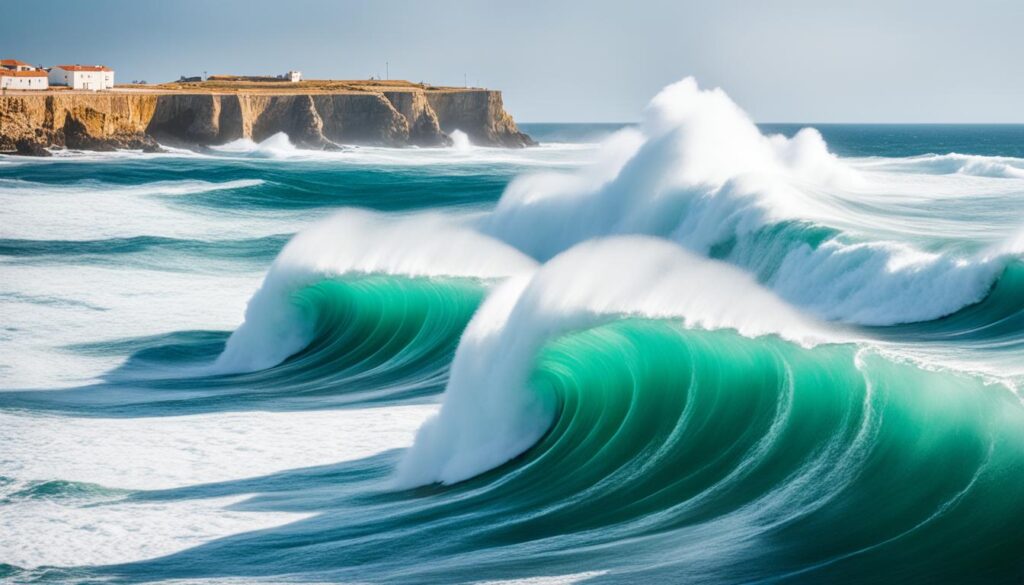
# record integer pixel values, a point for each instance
(895, 140)
(892, 140)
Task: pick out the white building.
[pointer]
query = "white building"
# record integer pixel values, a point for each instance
(16, 74)
(20, 79)
(88, 77)
(294, 76)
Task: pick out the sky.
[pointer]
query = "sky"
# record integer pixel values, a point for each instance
(573, 60)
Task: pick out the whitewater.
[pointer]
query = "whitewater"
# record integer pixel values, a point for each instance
(689, 349)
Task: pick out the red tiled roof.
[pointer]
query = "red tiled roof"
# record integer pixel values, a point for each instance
(6, 73)
(13, 63)
(84, 68)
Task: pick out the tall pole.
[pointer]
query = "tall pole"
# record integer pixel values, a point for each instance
(387, 70)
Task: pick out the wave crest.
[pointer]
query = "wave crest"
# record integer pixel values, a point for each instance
(698, 172)
(355, 242)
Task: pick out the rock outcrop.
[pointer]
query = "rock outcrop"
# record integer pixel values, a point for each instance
(480, 114)
(323, 120)
(29, 147)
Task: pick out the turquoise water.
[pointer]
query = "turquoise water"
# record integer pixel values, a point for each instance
(708, 357)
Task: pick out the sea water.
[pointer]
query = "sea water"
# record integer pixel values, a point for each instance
(688, 349)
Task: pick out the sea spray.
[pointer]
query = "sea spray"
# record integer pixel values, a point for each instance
(698, 172)
(460, 141)
(278, 145)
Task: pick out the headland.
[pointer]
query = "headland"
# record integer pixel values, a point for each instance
(314, 114)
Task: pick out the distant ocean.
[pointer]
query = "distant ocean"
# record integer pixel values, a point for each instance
(692, 350)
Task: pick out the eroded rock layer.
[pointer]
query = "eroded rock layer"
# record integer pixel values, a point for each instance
(106, 121)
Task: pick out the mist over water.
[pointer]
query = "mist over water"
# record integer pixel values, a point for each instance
(690, 349)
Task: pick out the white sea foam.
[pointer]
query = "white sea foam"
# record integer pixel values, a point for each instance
(460, 141)
(692, 145)
(74, 533)
(92, 210)
(275, 146)
(882, 283)
(165, 453)
(357, 242)
(185, 187)
(489, 415)
(278, 149)
(462, 152)
(1001, 167)
(48, 309)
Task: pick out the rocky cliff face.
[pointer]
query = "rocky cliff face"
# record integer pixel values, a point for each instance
(478, 113)
(107, 121)
(94, 122)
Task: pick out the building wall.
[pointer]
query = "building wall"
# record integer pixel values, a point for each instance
(60, 77)
(8, 82)
(90, 80)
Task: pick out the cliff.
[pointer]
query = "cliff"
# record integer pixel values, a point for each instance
(315, 119)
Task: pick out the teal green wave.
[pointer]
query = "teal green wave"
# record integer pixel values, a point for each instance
(830, 463)
(391, 336)
(374, 339)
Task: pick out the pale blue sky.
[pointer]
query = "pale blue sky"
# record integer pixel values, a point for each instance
(596, 60)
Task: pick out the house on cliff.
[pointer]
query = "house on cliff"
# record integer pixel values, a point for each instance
(23, 79)
(15, 65)
(15, 74)
(87, 77)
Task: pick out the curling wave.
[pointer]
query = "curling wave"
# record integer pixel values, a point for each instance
(373, 338)
(354, 243)
(488, 416)
(708, 422)
(709, 447)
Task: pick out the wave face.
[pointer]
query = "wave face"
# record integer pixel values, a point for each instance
(756, 449)
(712, 447)
(372, 338)
(689, 350)
(355, 243)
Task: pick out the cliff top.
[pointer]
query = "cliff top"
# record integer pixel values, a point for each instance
(222, 86)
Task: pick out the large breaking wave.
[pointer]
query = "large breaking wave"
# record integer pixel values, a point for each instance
(698, 172)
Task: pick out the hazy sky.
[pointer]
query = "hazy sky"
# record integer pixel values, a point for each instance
(596, 60)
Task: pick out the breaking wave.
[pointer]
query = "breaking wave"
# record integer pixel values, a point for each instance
(276, 146)
(699, 173)
(354, 243)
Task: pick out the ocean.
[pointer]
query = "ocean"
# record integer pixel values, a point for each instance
(688, 350)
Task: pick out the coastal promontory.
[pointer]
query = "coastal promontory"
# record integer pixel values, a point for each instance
(322, 115)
